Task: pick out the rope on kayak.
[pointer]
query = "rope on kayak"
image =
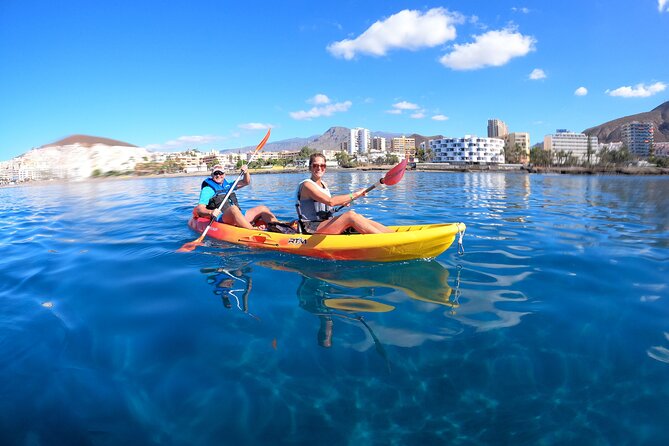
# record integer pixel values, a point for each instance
(461, 234)
(456, 294)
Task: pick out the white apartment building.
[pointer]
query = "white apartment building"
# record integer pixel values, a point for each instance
(468, 149)
(575, 144)
(497, 128)
(361, 141)
(638, 137)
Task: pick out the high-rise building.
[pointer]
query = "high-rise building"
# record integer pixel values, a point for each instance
(497, 128)
(638, 137)
(361, 141)
(469, 149)
(404, 145)
(379, 144)
(522, 140)
(569, 143)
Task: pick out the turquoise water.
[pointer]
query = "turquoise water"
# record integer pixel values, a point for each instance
(552, 328)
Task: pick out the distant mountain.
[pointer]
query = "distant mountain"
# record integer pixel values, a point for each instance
(330, 140)
(612, 131)
(88, 141)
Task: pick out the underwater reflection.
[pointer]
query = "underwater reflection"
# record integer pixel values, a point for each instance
(364, 294)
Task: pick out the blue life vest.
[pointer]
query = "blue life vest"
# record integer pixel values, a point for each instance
(219, 193)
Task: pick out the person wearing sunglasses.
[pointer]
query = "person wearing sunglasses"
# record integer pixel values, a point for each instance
(315, 206)
(212, 192)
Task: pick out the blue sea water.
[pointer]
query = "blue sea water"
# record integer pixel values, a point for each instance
(551, 329)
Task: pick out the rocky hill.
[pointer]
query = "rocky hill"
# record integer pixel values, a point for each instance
(88, 141)
(612, 131)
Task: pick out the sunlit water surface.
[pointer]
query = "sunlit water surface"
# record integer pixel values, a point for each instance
(552, 328)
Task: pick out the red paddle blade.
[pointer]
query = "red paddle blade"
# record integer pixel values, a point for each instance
(395, 174)
(262, 143)
(188, 247)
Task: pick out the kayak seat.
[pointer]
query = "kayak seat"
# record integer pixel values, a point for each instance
(283, 227)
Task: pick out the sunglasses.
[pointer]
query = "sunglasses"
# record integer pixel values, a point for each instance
(318, 166)
(217, 173)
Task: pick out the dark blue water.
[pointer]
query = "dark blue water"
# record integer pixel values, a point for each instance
(552, 329)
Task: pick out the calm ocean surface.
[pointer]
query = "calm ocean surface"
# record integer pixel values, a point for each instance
(552, 328)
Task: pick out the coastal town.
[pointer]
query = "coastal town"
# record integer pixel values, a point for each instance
(80, 157)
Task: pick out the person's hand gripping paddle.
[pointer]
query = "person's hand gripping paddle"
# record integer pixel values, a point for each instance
(392, 177)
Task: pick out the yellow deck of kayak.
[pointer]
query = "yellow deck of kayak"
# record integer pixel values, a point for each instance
(406, 243)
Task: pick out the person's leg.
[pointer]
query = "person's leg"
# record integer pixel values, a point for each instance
(260, 212)
(233, 216)
(351, 219)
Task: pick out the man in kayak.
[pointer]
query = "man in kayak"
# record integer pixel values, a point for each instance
(315, 206)
(212, 192)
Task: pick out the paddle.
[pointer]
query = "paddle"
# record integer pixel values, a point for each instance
(392, 177)
(187, 247)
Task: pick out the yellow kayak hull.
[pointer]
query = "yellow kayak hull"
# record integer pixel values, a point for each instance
(406, 243)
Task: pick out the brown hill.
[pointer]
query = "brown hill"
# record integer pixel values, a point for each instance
(612, 131)
(87, 141)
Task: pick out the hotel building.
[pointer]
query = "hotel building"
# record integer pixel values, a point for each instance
(404, 147)
(523, 142)
(575, 144)
(638, 137)
(469, 149)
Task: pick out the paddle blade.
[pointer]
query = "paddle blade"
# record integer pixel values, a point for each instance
(395, 174)
(262, 143)
(188, 247)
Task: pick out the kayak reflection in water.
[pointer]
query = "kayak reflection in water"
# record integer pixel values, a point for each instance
(321, 298)
(232, 284)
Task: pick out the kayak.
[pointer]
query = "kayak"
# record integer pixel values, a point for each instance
(405, 243)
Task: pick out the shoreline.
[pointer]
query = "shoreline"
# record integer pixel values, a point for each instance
(419, 167)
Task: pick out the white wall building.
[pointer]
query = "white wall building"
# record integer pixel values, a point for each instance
(469, 149)
(571, 143)
(361, 141)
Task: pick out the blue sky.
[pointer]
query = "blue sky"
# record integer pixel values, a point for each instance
(170, 75)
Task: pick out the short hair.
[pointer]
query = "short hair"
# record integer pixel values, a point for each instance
(314, 156)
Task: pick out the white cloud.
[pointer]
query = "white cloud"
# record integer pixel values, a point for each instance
(537, 74)
(418, 115)
(663, 5)
(255, 126)
(394, 111)
(638, 91)
(404, 105)
(440, 118)
(319, 99)
(317, 112)
(523, 10)
(581, 91)
(494, 48)
(408, 29)
(191, 141)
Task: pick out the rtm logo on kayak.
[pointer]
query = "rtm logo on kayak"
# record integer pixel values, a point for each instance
(297, 241)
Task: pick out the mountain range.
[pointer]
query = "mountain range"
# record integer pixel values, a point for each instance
(612, 131)
(331, 140)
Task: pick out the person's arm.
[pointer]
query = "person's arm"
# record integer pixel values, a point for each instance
(205, 195)
(310, 190)
(246, 180)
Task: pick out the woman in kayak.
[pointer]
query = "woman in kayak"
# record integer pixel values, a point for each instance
(315, 205)
(212, 192)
